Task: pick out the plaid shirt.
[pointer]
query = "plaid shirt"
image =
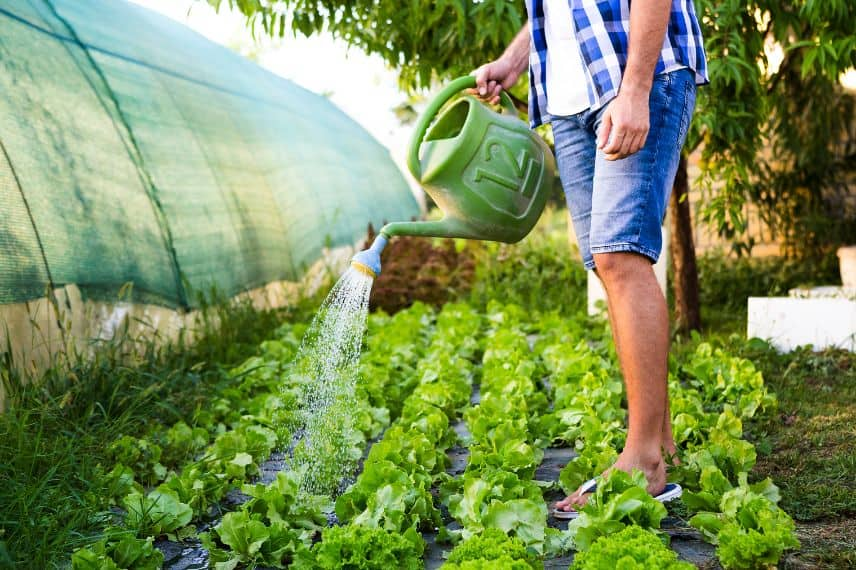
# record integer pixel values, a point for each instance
(601, 28)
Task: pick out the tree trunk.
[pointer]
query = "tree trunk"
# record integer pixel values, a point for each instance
(688, 315)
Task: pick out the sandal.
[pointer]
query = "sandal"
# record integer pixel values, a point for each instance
(669, 493)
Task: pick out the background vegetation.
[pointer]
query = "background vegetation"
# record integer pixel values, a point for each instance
(775, 128)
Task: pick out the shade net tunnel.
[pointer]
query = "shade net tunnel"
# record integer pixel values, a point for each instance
(135, 151)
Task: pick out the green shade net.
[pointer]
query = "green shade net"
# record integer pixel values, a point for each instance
(133, 150)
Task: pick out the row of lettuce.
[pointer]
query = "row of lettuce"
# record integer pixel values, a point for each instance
(544, 381)
(498, 502)
(712, 393)
(178, 478)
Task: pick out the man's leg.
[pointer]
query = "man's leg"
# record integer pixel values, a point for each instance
(667, 440)
(640, 323)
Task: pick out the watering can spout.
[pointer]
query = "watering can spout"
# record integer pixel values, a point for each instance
(368, 260)
(430, 228)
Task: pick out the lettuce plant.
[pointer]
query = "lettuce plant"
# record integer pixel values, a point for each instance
(364, 548)
(620, 500)
(632, 548)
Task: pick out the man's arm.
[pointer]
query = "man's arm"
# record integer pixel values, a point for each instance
(495, 76)
(625, 123)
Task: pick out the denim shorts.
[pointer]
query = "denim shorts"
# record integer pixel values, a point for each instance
(620, 205)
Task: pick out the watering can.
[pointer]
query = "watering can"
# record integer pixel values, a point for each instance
(487, 171)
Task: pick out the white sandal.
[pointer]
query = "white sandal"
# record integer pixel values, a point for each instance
(669, 493)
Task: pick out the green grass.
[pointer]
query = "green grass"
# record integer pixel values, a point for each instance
(810, 441)
(55, 432)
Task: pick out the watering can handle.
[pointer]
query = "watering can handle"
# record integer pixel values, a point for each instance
(433, 108)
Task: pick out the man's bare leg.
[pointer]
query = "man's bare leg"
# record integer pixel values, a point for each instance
(640, 326)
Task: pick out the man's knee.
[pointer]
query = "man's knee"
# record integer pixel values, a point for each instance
(618, 267)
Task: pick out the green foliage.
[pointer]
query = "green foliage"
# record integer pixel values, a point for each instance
(502, 440)
(58, 478)
(799, 109)
(246, 539)
(620, 500)
(416, 452)
(449, 37)
(500, 508)
(120, 552)
(274, 528)
(492, 548)
(384, 496)
(632, 548)
(725, 283)
(751, 531)
(724, 379)
(281, 502)
(538, 273)
(197, 486)
(141, 455)
(183, 442)
(355, 547)
(155, 514)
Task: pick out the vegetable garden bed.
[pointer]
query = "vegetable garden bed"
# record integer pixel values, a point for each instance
(474, 418)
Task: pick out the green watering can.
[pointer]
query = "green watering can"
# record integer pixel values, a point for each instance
(487, 171)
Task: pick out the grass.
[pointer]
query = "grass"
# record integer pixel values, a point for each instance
(55, 433)
(808, 445)
(807, 448)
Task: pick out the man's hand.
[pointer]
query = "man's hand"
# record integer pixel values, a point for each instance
(625, 123)
(493, 77)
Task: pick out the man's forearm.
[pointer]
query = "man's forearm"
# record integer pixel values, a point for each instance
(648, 22)
(517, 52)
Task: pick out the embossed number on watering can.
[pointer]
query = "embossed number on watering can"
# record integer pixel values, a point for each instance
(507, 182)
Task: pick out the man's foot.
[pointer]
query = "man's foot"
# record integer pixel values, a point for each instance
(654, 470)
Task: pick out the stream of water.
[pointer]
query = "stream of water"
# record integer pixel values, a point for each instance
(327, 363)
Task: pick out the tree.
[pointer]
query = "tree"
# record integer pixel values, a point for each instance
(781, 138)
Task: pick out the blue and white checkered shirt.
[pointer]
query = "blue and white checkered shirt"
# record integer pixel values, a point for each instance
(601, 28)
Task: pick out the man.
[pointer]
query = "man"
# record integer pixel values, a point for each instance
(617, 80)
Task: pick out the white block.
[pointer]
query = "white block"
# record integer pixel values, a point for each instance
(595, 289)
(595, 293)
(790, 322)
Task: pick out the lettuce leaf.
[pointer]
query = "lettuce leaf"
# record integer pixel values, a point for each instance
(751, 531)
